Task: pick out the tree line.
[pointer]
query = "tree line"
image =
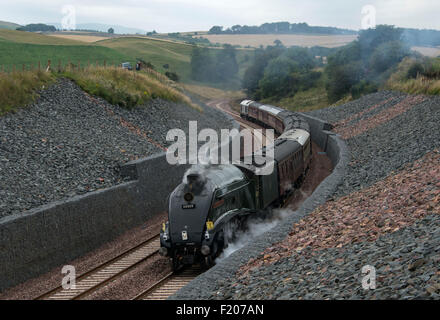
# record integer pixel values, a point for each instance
(35, 27)
(280, 28)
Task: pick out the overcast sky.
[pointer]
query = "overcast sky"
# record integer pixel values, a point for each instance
(193, 15)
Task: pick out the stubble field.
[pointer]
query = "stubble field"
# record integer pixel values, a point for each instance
(256, 40)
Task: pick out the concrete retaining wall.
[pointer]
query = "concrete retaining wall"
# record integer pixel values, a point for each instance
(336, 149)
(323, 137)
(41, 239)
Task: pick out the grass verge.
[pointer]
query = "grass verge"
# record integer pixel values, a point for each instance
(20, 88)
(125, 88)
(416, 86)
(416, 76)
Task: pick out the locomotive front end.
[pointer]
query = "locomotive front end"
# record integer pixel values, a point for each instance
(199, 209)
(186, 237)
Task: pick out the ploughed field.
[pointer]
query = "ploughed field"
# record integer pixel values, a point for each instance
(385, 214)
(68, 143)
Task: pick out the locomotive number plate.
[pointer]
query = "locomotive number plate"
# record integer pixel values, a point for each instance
(188, 206)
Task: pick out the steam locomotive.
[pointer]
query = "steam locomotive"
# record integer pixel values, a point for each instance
(212, 202)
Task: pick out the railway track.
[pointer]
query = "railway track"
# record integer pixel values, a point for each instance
(170, 284)
(98, 277)
(245, 124)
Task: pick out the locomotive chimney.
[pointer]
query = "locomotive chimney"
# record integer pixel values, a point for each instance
(195, 181)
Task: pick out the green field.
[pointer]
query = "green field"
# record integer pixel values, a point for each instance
(18, 48)
(30, 54)
(159, 53)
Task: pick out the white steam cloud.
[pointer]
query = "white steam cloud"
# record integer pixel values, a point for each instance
(253, 229)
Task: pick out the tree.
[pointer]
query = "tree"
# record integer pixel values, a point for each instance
(370, 39)
(236, 28)
(202, 66)
(278, 43)
(226, 64)
(387, 55)
(302, 57)
(255, 72)
(277, 80)
(342, 78)
(111, 30)
(216, 30)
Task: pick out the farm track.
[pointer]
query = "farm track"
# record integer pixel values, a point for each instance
(98, 277)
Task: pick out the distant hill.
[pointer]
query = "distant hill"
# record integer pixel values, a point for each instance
(417, 37)
(8, 25)
(104, 27)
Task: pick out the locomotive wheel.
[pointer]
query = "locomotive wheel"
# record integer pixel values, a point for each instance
(207, 263)
(175, 263)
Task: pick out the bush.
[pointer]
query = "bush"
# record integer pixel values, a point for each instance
(310, 79)
(342, 78)
(415, 69)
(432, 68)
(405, 77)
(362, 88)
(172, 76)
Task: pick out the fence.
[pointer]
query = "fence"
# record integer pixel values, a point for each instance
(58, 66)
(70, 65)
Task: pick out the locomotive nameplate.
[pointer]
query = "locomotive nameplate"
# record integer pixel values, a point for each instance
(188, 206)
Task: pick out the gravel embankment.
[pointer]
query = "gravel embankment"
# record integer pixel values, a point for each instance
(385, 214)
(406, 263)
(67, 143)
(365, 218)
(390, 142)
